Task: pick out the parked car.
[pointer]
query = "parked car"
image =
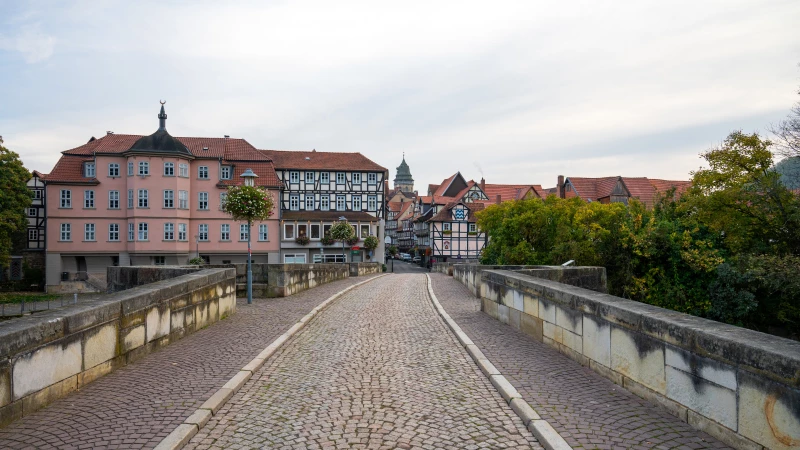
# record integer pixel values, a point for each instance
(405, 256)
(416, 259)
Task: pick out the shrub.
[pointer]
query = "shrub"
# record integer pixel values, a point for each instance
(197, 261)
(302, 240)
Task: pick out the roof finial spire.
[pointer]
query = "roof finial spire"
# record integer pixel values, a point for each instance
(162, 117)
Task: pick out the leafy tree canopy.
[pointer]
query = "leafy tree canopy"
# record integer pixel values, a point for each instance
(15, 197)
(342, 231)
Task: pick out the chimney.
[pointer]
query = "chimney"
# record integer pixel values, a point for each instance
(483, 184)
(560, 186)
(498, 201)
(227, 136)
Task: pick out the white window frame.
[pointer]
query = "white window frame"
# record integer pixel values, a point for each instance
(341, 203)
(356, 202)
(130, 198)
(66, 232)
(293, 258)
(130, 168)
(113, 232)
(294, 177)
(181, 231)
(287, 226)
(143, 196)
(225, 172)
(263, 232)
(66, 198)
(89, 232)
(113, 199)
(446, 226)
(309, 177)
(309, 202)
(225, 232)
(341, 178)
(311, 232)
(169, 231)
(143, 232)
(169, 198)
(372, 178)
(244, 230)
(324, 202)
(183, 199)
(324, 177)
(113, 170)
(372, 203)
(202, 173)
(473, 228)
(356, 178)
(89, 170)
(202, 201)
(183, 170)
(202, 232)
(294, 202)
(131, 232)
(144, 168)
(88, 199)
(169, 169)
(367, 226)
(33, 234)
(223, 198)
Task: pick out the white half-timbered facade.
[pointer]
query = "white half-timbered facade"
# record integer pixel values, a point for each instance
(454, 233)
(37, 213)
(319, 188)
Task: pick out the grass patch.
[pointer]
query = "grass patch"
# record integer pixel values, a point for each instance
(19, 297)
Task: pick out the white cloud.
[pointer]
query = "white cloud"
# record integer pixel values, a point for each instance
(34, 45)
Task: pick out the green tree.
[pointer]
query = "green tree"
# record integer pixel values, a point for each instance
(342, 231)
(15, 197)
(740, 197)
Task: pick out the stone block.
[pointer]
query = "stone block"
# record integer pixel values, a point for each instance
(604, 371)
(10, 413)
(597, 340)
(97, 371)
(238, 380)
(725, 435)
(549, 330)
(46, 366)
(489, 307)
(200, 316)
(5, 383)
(507, 297)
(523, 410)
(547, 435)
(671, 406)
(707, 369)
(49, 394)
(502, 313)
(133, 318)
(569, 320)
(638, 357)
(518, 300)
(133, 338)
(530, 305)
(178, 438)
(199, 418)
(80, 317)
(227, 305)
(213, 310)
(572, 341)
(769, 413)
(157, 323)
(514, 318)
(180, 302)
(217, 400)
(99, 345)
(506, 389)
(708, 399)
(547, 311)
(532, 326)
(177, 320)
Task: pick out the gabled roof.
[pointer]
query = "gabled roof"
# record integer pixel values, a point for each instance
(451, 186)
(264, 169)
(510, 191)
(232, 149)
(69, 169)
(642, 188)
(314, 160)
(432, 188)
(445, 215)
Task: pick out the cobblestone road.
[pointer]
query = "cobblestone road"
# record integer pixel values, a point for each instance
(138, 405)
(585, 408)
(377, 369)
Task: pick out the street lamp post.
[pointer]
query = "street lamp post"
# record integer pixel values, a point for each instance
(344, 257)
(197, 244)
(249, 180)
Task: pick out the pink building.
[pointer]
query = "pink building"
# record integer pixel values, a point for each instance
(140, 200)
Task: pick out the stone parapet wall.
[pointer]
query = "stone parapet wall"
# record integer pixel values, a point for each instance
(47, 355)
(122, 278)
(364, 268)
(283, 280)
(739, 385)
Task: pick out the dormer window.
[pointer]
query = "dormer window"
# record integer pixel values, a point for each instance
(225, 173)
(88, 170)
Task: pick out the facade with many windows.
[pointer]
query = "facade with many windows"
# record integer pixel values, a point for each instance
(319, 188)
(140, 200)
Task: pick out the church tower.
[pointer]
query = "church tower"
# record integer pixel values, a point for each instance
(403, 180)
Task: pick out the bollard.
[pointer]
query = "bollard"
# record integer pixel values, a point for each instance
(74, 298)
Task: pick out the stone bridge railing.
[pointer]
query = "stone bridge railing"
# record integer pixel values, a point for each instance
(739, 385)
(49, 354)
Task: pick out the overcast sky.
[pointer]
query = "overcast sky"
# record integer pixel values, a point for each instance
(517, 91)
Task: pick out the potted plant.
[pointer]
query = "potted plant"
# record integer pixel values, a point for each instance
(370, 243)
(327, 239)
(302, 240)
(352, 241)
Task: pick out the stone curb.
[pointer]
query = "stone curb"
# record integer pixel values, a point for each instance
(540, 428)
(181, 435)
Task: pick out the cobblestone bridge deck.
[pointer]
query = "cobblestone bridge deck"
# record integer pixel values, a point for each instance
(376, 369)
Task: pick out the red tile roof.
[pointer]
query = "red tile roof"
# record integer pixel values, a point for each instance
(232, 149)
(444, 214)
(440, 190)
(69, 169)
(509, 191)
(641, 188)
(432, 188)
(286, 159)
(264, 169)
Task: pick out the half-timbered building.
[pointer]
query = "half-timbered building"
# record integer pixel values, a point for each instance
(321, 188)
(454, 233)
(37, 214)
(618, 189)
